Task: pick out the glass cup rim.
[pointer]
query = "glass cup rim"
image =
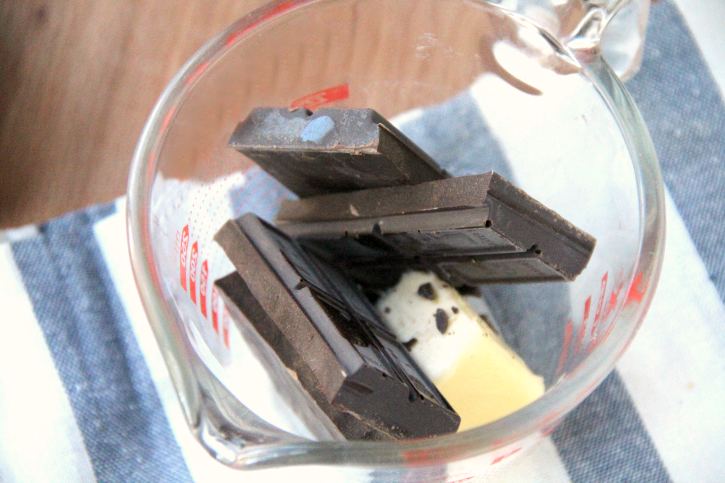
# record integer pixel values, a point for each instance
(545, 412)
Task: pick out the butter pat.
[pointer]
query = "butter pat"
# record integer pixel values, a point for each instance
(480, 376)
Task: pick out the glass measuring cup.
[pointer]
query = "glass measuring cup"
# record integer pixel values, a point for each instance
(519, 87)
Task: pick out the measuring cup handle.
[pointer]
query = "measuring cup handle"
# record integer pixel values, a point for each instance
(614, 29)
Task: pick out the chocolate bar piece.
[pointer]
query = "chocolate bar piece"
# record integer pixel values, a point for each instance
(469, 230)
(288, 371)
(332, 150)
(322, 327)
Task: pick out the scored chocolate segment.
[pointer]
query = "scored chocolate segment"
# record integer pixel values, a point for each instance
(327, 331)
(332, 150)
(288, 371)
(469, 230)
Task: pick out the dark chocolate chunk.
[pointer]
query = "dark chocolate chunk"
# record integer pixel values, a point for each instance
(469, 230)
(454, 309)
(427, 291)
(441, 321)
(332, 150)
(409, 345)
(288, 372)
(325, 329)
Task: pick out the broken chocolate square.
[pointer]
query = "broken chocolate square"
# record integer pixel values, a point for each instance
(332, 150)
(469, 230)
(322, 327)
(290, 375)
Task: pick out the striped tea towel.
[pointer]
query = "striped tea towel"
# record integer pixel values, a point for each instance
(85, 395)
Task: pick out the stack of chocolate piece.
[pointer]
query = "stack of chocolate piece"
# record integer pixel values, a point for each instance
(372, 205)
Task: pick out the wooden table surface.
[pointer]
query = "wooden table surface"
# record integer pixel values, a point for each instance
(78, 78)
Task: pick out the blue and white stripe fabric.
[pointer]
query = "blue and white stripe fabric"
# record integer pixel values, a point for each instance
(85, 395)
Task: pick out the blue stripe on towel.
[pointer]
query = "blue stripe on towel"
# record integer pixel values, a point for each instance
(97, 357)
(684, 112)
(604, 440)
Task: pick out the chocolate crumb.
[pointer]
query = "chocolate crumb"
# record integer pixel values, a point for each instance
(485, 318)
(427, 291)
(454, 309)
(441, 320)
(469, 290)
(386, 310)
(409, 345)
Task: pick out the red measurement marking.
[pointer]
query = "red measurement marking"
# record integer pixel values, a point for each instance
(203, 277)
(421, 457)
(587, 308)
(196, 74)
(612, 303)
(313, 101)
(597, 316)
(635, 294)
(192, 271)
(565, 350)
(583, 328)
(214, 309)
(464, 479)
(225, 328)
(602, 291)
(279, 9)
(502, 457)
(613, 298)
(182, 254)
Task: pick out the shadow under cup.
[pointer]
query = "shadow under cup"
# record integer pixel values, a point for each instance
(477, 88)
